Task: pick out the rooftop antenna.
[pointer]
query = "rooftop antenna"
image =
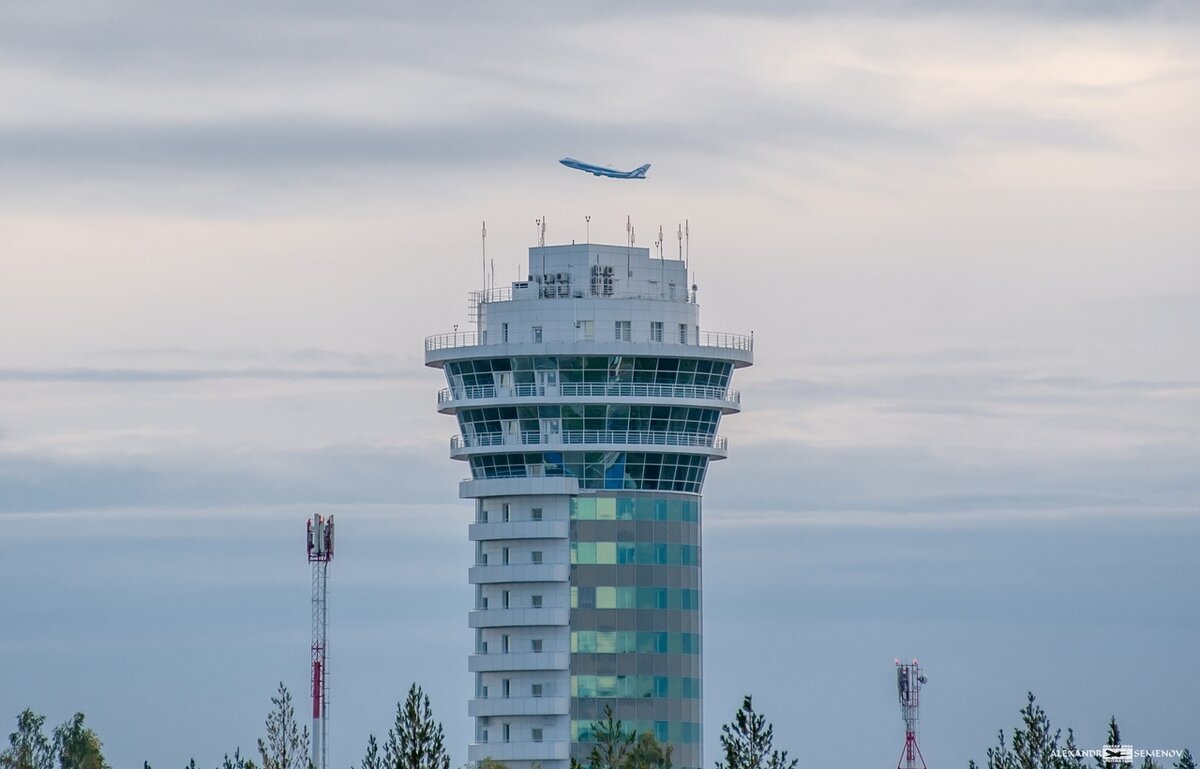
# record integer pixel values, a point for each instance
(679, 235)
(909, 680)
(320, 553)
(483, 238)
(687, 245)
(662, 264)
(541, 224)
(629, 246)
(588, 220)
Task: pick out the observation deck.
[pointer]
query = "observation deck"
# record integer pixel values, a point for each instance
(451, 399)
(712, 345)
(713, 446)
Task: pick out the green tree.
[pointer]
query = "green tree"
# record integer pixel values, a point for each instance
(491, 763)
(371, 760)
(415, 741)
(28, 747)
(1113, 740)
(1034, 745)
(649, 753)
(236, 761)
(286, 746)
(77, 746)
(613, 745)
(748, 742)
(1186, 761)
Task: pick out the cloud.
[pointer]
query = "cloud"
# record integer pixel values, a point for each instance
(118, 375)
(337, 474)
(927, 481)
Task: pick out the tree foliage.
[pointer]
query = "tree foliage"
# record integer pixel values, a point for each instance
(286, 745)
(72, 746)
(28, 747)
(649, 753)
(1186, 761)
(372, 760)
(77, 746)
(416, 740)
(1034, 745)
(613, 744)
(616, 748)
(236, 761)
(748, 742)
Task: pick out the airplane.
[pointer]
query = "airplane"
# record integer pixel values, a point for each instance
(579, 165)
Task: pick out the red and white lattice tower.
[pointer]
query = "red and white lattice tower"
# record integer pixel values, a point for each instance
(320, 553)
(909, 680)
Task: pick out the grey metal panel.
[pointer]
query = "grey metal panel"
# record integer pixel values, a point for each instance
(670, 532)
(675, 665)
(673, 620)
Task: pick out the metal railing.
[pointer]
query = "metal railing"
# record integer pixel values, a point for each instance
(718, 339)
(448, 341)
(590, 390)
(639, 437)
(726, 340)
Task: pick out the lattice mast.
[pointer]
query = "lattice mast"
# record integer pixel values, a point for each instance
(909, 680)
(320, 553)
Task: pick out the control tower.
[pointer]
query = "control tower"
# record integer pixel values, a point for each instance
(588, 400)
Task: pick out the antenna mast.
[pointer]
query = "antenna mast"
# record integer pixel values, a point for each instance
(320, 553)
(909, 680)
(483, 238)
(628, 247)
(687, 245)
(662, 264)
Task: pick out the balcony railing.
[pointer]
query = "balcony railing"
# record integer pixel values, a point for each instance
(590, 390)
(580, 437)
(717, 339)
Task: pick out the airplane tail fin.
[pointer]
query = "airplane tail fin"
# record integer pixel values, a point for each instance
(640, 171)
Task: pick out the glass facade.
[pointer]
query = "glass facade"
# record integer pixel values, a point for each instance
(611, 597)
(614, 369)
(664, 731)
(672, 419)
(659, 553)
(625, 641)
(635, 686)
(636, 616)
(635, 470)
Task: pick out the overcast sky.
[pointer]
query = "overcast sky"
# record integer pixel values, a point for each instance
(965, 237)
